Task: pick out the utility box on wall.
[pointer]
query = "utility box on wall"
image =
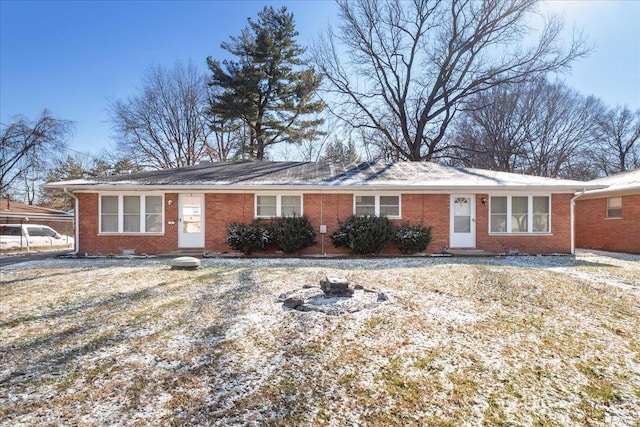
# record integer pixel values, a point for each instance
(323, 229)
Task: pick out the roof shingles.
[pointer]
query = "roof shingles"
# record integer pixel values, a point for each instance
(415, 175)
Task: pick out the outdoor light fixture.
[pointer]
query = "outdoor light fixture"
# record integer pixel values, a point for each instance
(169, 202)
(484, 200)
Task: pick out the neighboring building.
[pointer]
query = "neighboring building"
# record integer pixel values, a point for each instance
(190, 208)
(19, 213)
(609, 218)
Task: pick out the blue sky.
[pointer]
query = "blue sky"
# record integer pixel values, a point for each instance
(72, 57)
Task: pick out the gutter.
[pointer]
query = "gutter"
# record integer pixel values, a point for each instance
(76, 220)
(572, 217)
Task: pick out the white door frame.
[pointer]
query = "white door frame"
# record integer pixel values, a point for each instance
(191, 220)
(466, 239)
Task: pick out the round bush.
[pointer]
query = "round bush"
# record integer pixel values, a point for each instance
(364, 234)
(412, 238)
(248, 238)
(292, 234)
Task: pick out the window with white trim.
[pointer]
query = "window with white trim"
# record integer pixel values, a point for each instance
(268, 206)
(378, 205)
(520, 214)
(614, 207)
(131, 213)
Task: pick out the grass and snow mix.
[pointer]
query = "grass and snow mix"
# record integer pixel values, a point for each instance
(494, 341)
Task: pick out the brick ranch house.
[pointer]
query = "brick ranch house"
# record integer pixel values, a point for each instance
(609, 218)
(190, 208)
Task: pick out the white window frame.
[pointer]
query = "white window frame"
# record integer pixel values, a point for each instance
(143, 200)
(377, 203)
(530, 213)
(278, 197)
(609, 208)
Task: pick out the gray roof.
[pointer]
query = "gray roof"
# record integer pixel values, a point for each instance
(310, 176)
(618, 184)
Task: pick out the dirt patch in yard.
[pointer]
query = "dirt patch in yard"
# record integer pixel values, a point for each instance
(517, 340)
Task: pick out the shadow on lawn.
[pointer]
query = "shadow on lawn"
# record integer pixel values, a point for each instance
(44, 356)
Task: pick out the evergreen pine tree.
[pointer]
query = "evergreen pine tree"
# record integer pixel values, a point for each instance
(270, 88)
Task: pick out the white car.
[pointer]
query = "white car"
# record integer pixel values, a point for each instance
(16, 236)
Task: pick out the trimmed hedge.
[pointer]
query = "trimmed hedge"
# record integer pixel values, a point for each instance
(364, 234)
(292, 234)
(248, 238)
(412, 238)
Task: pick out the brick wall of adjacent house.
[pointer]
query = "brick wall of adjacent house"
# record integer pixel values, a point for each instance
(221, 209)
(595, 231)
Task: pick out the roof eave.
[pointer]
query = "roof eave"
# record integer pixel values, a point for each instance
(318, 188)
(609, 192)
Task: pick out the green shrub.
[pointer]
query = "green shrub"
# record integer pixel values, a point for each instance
(412, 238)
(248, 238)
(364, 234)
(292, 233)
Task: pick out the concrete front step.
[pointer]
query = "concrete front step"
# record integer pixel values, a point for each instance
(470, 252)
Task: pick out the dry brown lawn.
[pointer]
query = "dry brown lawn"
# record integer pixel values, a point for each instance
(547, 341)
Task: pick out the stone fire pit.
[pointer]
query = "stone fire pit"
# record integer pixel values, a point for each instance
(334, 296)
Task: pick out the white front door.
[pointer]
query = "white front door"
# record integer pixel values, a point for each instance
(191, 221)
(463, 221)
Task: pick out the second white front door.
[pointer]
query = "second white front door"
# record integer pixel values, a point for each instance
(463, 221)
(191, 221)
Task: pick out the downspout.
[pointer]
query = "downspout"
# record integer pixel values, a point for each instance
(76, 220)
(572, 216)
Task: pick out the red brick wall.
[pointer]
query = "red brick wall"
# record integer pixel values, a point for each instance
(558, 241)
(92, 243)
(595, 231)
(221, 209)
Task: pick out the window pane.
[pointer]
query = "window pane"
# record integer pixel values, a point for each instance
(266, 205)
(109, 218)
(35, 231)
(131, 209)
(365, 205)
(519, 223)
(131, 223)
(390, 210)
(153, 204)
(365, 200)
(519, 205)
(131, 204)
(461, 224)
(498, 223)
(291, 205)
(109, 204)
(519, 217)
(153, 223)
(540, 215)
(389, 200)
(540, 223)
(109, 223)
(540, 205)
(365, 210)
(499, 205)
(390, 205)
(614, 207)
(153, 214)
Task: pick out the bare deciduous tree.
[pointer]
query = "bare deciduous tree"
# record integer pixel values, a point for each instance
(540, 128)
(164, 126)
(412, 64)
(26, 147)
(618, 133)
(558, 133)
